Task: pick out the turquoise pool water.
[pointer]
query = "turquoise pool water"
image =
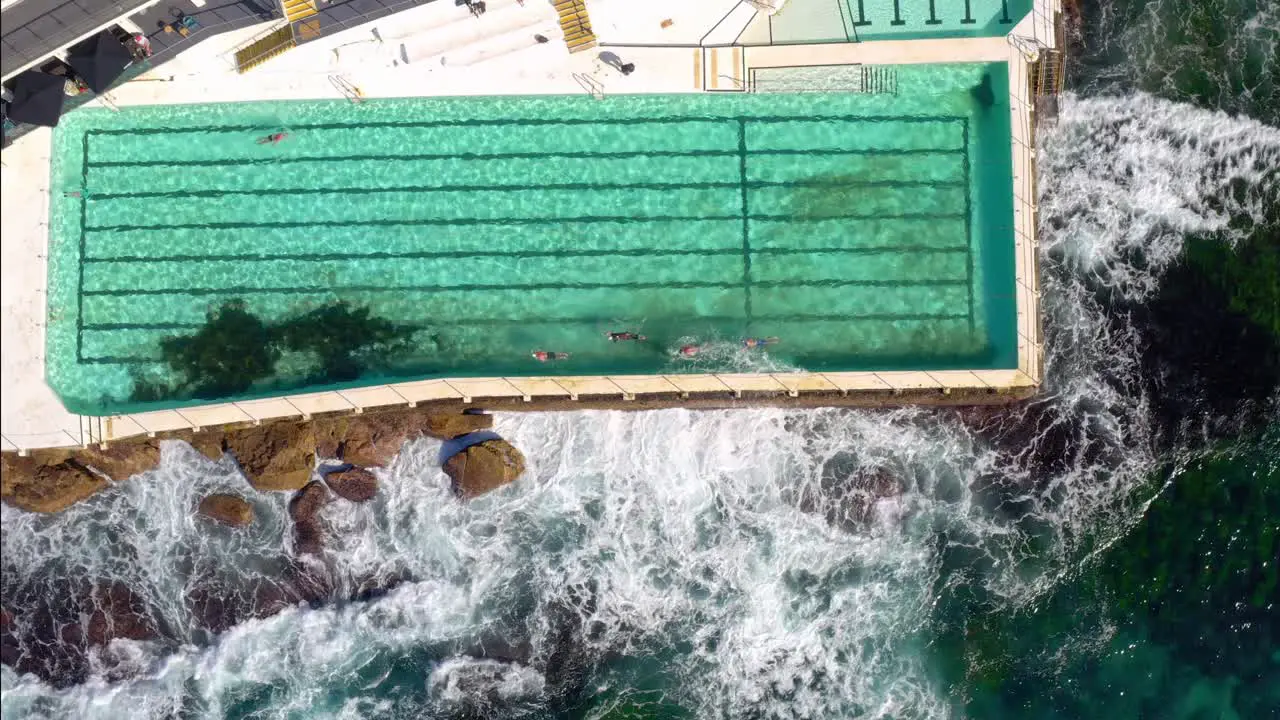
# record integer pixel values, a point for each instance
(864, 231)
(808, 21)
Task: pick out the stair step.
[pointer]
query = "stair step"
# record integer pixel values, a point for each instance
(265, 48)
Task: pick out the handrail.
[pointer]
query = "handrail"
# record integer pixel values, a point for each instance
(590, 84)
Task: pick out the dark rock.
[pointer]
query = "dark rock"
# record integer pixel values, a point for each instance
(230, 510)
(304, 508)
(122, 460)
(46, 482)
(355, 484)
(205, 442)
(847, 492)
(274, 456)
(52, 638)
(218, 607)
(484, 467)
(118, 613)
(374, 438)
(373, 587)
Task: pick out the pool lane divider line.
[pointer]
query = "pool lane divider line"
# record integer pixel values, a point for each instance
(539, 122)
(495, 322)
(582, 155)
(742, 184)
(141, 360)
(968, 233)
(746, 221)
(516, 255)
(586, 219)
(84, 222)
(248, 290)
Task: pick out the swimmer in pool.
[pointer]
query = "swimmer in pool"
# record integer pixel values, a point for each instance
(623, 336)
(272, 139)
(752, 343)
(690, 350)
(544, 356)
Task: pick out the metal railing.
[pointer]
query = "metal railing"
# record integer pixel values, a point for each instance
(70, 33)
(1027, 283)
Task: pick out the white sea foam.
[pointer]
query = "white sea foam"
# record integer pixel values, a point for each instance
(704, 539)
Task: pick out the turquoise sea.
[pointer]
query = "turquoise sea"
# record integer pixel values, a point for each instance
(1107, 551)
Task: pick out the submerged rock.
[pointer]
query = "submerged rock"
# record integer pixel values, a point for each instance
(230, 510)
(354, 484)
(274, 456)
(469, 687)
(847, 492)
(483, 467)
(52, 637)
(118, 612)
(218, 606)
(304, 508)
(374, 438)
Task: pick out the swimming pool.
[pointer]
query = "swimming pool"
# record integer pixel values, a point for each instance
(809, 21)
(865, 231)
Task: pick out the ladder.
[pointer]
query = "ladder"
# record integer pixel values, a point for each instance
(879, 80)
(344, 86)
(1049, 72)
(575, 25)
(590, 84)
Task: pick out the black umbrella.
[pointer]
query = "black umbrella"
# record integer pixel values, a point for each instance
(37, 98)
(99, 60)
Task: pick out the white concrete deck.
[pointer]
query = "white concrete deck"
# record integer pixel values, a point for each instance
(453, 54)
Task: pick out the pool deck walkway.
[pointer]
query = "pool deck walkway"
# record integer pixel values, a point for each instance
(495, 54)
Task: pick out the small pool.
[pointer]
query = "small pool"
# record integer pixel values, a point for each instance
(810, 21)
(416, 238)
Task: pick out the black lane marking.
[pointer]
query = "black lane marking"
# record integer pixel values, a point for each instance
(746, 221)
(968, 236)
(573, 187)
(610, 320)
(589, 219)
(897, 14)
(517, 254)
(245, 290)
(968, 14)
(881, 317)
(583, 155)
(538, 122)
(862, 16)
(1004, 13)
(933, 14)
(84, 224)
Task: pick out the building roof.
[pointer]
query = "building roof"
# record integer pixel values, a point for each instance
(35, 28)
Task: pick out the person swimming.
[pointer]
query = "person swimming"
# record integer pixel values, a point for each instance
(623, 336)
(752, 342)
(273, 138)
(690, 350)
(544, 356)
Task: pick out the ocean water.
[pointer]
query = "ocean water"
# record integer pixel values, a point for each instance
(864, 230)
(1105, 551)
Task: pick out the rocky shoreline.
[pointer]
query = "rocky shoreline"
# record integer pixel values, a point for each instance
(276, 456)
(60, 637)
